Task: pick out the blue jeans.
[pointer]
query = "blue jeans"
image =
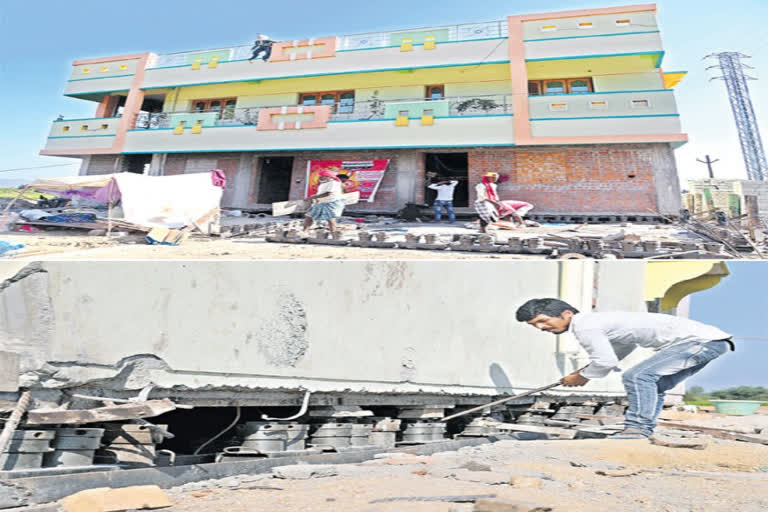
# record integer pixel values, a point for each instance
(647, 382)
(448, 205)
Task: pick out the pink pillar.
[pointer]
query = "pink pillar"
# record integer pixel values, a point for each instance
(132, 105)
(519, 78)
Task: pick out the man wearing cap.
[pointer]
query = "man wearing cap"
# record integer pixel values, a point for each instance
(490, 208)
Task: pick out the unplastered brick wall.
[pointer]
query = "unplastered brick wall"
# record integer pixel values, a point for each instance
(386, 199)
(610, 179)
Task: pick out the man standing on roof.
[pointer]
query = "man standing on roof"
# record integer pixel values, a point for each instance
(683, 347)
(263, 44)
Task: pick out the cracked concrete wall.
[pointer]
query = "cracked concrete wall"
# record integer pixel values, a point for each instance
(326, 326)
(26, 320)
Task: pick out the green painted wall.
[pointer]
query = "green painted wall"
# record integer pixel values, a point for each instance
(415, 109)
(628, 82)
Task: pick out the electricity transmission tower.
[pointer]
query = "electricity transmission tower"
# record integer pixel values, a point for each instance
(732, 68)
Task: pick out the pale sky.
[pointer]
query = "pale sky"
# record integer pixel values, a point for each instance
(41, 38)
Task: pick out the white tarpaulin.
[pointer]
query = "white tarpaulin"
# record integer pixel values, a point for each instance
(164, 201)
(169, 201)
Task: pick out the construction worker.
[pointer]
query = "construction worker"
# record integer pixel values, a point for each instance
(262, 45)
(683, 348)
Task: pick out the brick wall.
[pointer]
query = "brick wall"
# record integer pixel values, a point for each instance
(566, 179)
(609, 179)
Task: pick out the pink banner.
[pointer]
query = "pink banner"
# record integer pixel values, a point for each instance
(363, 176)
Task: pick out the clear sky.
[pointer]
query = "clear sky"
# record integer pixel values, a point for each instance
(739, 306)
(41, 38)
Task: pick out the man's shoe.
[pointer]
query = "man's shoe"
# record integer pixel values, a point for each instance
(629, 433)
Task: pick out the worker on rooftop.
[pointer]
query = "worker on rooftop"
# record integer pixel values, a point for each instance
(261, 47)
(683, 348)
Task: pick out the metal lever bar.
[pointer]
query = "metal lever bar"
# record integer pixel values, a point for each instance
(497, 402)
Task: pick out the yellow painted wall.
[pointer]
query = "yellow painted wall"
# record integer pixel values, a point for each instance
(391, 93)
(268, 100)
(575, 68)
(381, 80)
(479, 88)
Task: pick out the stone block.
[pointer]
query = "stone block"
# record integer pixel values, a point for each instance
(304, 471)
(104, 499)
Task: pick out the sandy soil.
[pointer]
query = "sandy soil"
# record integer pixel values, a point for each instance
(726, 476)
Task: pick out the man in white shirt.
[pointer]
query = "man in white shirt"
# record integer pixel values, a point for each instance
(444, 199)
(683, 348)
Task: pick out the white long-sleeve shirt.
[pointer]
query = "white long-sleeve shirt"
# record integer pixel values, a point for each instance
(610, 337)
(444, 191)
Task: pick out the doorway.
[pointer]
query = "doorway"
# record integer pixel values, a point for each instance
(275, 179)
(138, 164)
(448, 166)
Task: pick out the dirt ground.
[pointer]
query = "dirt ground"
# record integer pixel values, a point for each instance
(74, 244)
(726, 476)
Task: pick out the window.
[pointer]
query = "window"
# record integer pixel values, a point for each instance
(435, 92)
(598, 105)
(578, 86)
(554, 86)
(104, 68)
(560, 86)
(339, 101)
(640, 104)
(104, 126)
(84, 128)
(225, 107)
(346, 103)
(558, 107)
(65, 129)
(585, 25)
(86, 70)
(623, 23)
(123, 66)
(548, 28)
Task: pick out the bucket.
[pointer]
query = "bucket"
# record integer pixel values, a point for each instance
(736, 407)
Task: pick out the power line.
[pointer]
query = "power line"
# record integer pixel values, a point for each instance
(39, 167)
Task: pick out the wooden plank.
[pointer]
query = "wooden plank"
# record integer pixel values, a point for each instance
(717, 432)
(130, 411)
(290, 207)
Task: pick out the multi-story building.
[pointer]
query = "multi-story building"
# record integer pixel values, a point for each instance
(572, 107)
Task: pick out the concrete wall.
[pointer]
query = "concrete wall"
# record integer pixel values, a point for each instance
(615, 104)
(572, 47)
(650, 80)
(607, 127)
(602, 24)
(80, 127)
(333, 326)
(360, 134)
(80, 142)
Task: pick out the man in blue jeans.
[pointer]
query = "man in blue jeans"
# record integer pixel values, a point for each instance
(683, 347)
(444, 199)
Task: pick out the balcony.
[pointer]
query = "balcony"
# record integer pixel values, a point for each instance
(378, 52)
(82, 135)
(604, 114)
(371, 40)
(410, 122)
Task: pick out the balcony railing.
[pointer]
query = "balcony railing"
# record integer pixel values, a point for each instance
(464, 32)
(342, 111)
